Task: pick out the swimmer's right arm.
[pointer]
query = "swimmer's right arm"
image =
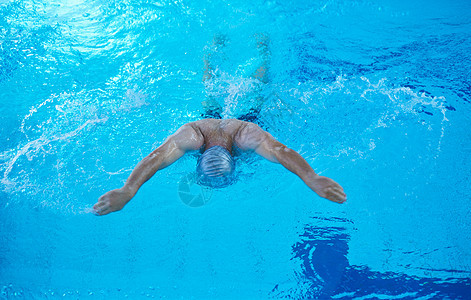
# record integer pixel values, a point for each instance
(252, 137)
(185, 139)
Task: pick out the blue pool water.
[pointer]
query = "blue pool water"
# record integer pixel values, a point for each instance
(375, 94)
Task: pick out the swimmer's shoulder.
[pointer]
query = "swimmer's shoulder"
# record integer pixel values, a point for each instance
(193, 126)
(248, 135)
(203, 125)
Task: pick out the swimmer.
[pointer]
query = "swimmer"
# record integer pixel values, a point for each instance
(217, 139)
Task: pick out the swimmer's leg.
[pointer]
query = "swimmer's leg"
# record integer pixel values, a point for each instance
(219, 42)
(263, 42)
(263, 46)
(212, 109)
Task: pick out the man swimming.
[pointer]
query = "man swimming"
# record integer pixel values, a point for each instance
(217, 139)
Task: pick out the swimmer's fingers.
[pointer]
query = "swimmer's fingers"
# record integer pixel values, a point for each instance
(105, 211)
(329, 189)
(336, 194)
(102, 211)
(101, 206)
(112, 201)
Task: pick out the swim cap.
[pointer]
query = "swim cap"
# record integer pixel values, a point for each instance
(216, 167)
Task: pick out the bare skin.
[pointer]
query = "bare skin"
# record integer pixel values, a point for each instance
(226, 133)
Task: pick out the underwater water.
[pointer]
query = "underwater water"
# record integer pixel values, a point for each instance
(374, 94)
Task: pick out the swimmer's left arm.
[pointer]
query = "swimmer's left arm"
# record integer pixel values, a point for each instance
(252, 137)
(184, 140)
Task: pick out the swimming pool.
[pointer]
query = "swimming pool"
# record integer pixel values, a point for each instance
(375, 95)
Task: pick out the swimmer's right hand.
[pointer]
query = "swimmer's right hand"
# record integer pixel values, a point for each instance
(112, 201)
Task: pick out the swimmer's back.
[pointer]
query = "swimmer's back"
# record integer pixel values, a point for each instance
(217, 132)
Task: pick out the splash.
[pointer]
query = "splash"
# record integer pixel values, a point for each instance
(348, 114)
(52, 158)
(236, 94)
(31, 149)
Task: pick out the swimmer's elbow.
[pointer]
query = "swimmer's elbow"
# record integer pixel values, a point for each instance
(282, 152)
(278, 153)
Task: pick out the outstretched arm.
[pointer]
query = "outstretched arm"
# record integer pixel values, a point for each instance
(176, 145)
(252, 137)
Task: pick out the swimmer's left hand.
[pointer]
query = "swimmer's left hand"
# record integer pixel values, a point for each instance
(329, 189)
(112, 201)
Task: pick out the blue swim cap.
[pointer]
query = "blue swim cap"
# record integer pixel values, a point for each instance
(215, 167)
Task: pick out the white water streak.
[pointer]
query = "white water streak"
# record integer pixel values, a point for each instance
(39, 143)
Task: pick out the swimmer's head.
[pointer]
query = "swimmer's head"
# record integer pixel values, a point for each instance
(216, 167)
